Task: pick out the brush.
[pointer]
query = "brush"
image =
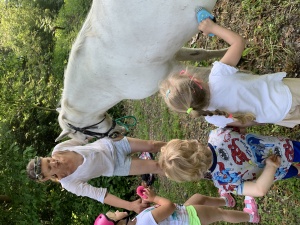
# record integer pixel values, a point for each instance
(203, 14)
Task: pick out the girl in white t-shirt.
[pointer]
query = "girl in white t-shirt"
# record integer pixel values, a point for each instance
(197, 210)
(227, 97)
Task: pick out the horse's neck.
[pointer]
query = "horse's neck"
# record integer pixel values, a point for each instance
(88, 92)
(80, 117)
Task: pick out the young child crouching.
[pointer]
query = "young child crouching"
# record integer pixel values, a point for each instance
(232, 160)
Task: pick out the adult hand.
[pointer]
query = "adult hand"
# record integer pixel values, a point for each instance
(273, 161)
(139, 205)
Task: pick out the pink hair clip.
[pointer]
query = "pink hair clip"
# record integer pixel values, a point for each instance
(182, 72)
(192, 79)
(140, 191)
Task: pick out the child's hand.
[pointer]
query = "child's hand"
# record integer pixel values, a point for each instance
(150, 195)
(273, 160)
(206, 26)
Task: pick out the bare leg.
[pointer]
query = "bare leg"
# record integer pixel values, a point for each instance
(293, 117)
(140, 166)
(198, 199)
(138, 145)
(209, 214)
(298, 168)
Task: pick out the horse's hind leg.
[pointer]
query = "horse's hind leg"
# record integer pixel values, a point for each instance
(198, 54)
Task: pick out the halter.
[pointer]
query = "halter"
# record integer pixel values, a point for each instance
(84, 130)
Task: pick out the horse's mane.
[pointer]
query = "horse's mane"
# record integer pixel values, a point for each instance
(84, 32)
(66, 108)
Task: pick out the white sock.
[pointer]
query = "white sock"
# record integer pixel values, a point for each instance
(251, 218)
(247, 205)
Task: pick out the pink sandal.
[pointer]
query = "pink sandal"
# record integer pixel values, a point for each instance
(251, 209)
(230, 201)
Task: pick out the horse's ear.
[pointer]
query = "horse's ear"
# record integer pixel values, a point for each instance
(58, 109)
(63, 134)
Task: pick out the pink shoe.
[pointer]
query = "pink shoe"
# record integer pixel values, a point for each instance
(251, 209)
(230, 201)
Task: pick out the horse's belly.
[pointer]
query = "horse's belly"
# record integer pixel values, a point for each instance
(146, 31)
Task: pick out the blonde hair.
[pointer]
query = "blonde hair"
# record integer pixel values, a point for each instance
(185, 160)
(188, 92)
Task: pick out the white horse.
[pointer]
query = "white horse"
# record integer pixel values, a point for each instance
(123, 51)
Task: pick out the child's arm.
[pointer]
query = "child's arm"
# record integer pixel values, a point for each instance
(265, 180)
(243, 125)
(236, 42)
(115, 201)
(165, 209)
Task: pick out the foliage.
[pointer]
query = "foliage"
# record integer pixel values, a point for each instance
(70, 17)
(32, 40)
(28, 91)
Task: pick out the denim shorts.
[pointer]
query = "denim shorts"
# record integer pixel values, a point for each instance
(122, 157)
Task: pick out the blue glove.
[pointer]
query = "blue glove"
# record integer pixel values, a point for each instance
(203, 14)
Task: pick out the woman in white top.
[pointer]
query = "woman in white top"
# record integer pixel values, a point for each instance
(227, 97)
(74, 164)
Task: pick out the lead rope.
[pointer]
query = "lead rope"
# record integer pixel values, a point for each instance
(122, 122)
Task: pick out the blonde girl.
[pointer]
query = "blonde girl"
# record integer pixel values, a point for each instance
(227, 97)
(197, 210)
(243, 164)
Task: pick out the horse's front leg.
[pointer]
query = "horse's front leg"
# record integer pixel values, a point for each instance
(198, 54)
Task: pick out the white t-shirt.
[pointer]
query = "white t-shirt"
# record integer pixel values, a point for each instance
(265, 96)
(179, 217)
(98, 160)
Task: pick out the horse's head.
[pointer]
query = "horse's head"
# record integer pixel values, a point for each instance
(99, 127)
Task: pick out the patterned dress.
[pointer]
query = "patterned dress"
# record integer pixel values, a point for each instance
(239, 158)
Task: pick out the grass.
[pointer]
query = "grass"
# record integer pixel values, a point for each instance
(272, 45)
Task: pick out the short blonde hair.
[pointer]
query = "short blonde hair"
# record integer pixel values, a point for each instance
(185, 160)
